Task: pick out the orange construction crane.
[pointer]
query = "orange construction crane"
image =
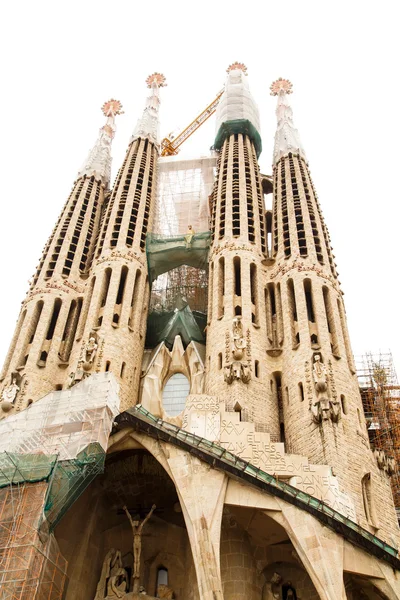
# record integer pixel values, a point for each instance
(171, 147)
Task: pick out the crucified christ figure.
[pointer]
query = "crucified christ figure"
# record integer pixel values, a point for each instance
(137, 528)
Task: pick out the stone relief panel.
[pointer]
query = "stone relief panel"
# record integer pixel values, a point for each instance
(237, 353)
(202, 416)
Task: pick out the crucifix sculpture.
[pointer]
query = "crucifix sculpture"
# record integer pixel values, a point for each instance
(137, 528)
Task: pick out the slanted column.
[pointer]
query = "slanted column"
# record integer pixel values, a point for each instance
(238, 363)
(119, 302)
(39, 356)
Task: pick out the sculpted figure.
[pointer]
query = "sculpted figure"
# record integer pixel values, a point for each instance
(117, 583)
(238, 341)
(228, 374)
(189, 236)
(319, 373)
(113, 578)
(165, 592)
(137, 528)
(90, 350)
(246, 373)
(10, 392)
(271, 590)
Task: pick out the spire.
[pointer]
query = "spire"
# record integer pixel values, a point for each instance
(98, 162)
(237, 111)
(147, 126)
(287, 137)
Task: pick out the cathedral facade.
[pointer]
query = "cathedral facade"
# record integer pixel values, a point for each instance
(180, 413)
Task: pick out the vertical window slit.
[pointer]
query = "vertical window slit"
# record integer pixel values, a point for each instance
(134, 300)
(120, 295)
(221, 287)
(293, 314)
(30, 335)
(330, 322)
(312, 325)
(254, 293)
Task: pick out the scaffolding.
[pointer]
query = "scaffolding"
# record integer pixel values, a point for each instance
(178, 246)
(380, 393)
(49, 454)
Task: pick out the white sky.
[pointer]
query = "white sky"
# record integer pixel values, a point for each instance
(62, 60)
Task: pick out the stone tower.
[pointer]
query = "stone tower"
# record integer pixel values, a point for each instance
(152, 450)
(238, 370)
(47, 327)
(118, 295)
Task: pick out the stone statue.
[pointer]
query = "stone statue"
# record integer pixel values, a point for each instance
(10, 392)
(137, 528)
(165, 592)
(90, 350)
(238, 340)
(189, 237)
(320, 376)
(118, 581)
(237, 369)
(271, 590)
(113, 579)
(323, 407)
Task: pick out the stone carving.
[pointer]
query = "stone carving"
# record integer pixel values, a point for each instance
(297, 264)
(78, 375)
(163, 591)
(323, 407)
(385, 463)
(90, 350)
(9, 393)
(137, 528)
(271, 590)
(113, 579)
(238, 368)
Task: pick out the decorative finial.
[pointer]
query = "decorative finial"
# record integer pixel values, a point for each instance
(112, 107)
(157, 78)
(281, 85)
(287, 137)
(237, 65)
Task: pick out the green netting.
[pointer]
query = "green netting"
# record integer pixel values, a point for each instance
(165, 253)
(242, 126)
(67, 478)
(21, 468)
(70, 478)
(164, 326)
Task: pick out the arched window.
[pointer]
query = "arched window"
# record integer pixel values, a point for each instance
(175, 393)
(162, 576)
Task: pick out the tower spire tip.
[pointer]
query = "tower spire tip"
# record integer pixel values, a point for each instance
(281, 85)
(237, 65)
(157, 78)
(112, 107)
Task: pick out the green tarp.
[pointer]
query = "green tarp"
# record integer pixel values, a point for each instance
(165, 253)
(242, 126)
